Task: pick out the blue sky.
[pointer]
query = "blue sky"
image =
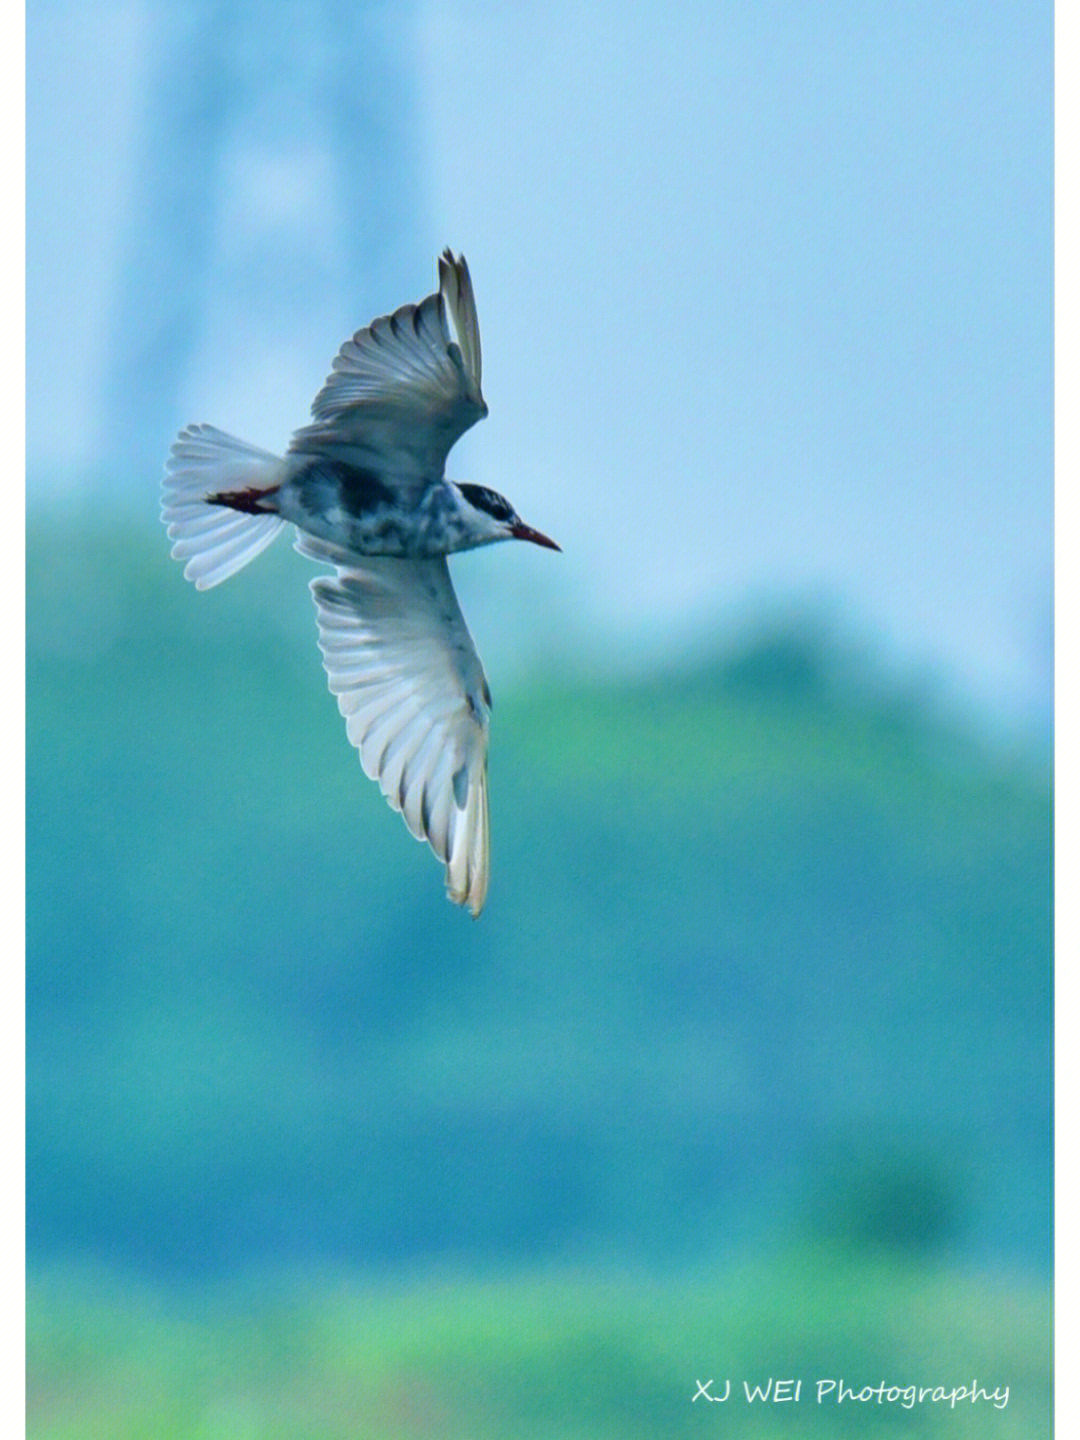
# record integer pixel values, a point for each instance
(764, 291)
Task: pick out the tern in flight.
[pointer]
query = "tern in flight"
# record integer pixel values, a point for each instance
(364, 484)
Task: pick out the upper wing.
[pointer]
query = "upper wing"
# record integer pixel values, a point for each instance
(409, 682)
(404, 390)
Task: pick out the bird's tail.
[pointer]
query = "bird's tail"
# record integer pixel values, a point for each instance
(217, 501)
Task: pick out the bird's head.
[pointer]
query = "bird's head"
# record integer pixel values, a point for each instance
(492, 517)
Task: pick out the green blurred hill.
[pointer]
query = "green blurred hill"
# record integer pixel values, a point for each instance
(767, 951)
(577, 1354)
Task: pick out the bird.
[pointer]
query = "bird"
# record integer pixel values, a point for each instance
(365, 487)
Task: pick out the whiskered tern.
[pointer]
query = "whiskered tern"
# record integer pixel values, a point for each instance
(365, 487)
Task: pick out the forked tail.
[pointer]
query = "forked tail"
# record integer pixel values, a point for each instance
(217, 501)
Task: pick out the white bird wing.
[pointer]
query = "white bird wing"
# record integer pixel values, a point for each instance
(411, 687)
(403, 390)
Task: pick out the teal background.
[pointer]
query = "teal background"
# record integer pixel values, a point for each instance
(751, 1040)
(744, 1071)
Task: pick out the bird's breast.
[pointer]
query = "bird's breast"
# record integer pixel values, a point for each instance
(369, 513)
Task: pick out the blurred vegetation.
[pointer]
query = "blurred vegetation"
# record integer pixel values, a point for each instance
(766, 962)
(561, 1355)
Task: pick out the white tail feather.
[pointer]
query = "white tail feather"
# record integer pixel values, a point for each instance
(214, 540)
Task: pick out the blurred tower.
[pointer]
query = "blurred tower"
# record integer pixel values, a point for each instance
(276, 192)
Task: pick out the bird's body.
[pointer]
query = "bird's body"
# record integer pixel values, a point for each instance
(353, 506)
(365, 486)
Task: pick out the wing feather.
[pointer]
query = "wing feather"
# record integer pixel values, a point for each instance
(455, 285)
(403, 390)
(408, 680)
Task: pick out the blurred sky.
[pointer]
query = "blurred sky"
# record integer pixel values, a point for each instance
(764, 286)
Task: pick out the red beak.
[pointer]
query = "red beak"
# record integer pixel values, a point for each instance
(526, 532)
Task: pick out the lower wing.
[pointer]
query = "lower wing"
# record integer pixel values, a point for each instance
(411, 687)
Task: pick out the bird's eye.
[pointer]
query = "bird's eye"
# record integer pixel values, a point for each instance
(488, 500)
